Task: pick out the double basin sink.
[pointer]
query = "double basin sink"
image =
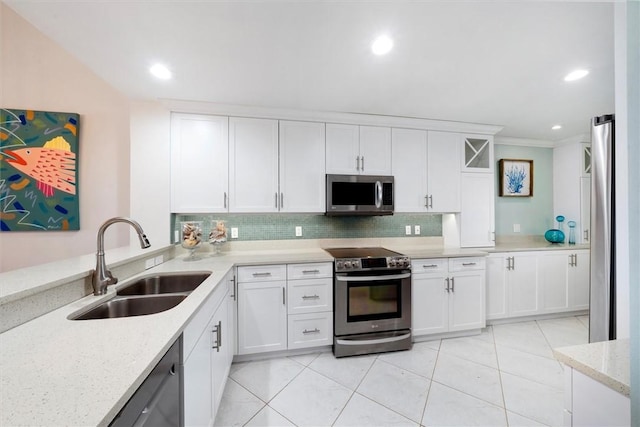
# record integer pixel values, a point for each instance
(147, 295)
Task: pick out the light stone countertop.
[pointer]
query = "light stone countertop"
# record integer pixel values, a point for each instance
(606, 362)
(530, 243)
(55, 371)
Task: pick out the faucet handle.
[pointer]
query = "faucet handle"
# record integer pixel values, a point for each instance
(112, 280)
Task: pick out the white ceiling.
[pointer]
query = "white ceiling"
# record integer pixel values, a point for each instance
(497, 62)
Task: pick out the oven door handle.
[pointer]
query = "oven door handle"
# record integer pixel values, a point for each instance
(373, 341)
(372, 278)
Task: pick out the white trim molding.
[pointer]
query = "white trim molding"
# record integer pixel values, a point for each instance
(196, 107)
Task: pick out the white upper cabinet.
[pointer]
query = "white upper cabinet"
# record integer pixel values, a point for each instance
(358, 150)
(477, 218)
(375, 150)
(426, 168)
(199, 167)
(253, 165)
(443, 169)
(409, 168)
(302, 170)
(477, 153)
(572, 186)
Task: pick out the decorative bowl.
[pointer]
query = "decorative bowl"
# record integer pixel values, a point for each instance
(554, 235)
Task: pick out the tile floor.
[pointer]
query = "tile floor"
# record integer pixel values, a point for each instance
(506, 376)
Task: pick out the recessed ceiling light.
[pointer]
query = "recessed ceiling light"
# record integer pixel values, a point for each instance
(160, 71)
(575, 75)
(556, 127)
(382, 45)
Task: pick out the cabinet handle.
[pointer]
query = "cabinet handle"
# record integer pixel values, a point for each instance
(313, 331)
(276, 199)
(281, 200)
(586, 235)
(447, 288)
(513, 263)
(510, 263)
(310, 271)
(358, 163)
(218, 339)
(284, 301)
(233, 280)
(467, 264)
(305, 297)
(492, 236)
(429, 265)
(362, 164)
(575, 260)
(225, 200)
(426, 201)
(268, 273)
(430, 201)
(453, 284)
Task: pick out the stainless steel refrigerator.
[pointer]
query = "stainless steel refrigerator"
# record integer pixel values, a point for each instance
(602, 298)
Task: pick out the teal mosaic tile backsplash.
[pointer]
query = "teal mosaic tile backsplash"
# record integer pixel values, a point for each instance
(282, 226)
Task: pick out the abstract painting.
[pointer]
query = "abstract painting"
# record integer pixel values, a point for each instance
(516, 178)
(38, 171)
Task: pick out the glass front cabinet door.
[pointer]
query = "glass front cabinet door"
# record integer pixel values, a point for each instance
(586, 159)
(477, 153)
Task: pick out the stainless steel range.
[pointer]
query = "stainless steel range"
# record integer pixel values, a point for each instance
(372, 301)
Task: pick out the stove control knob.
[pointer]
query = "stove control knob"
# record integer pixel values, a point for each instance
(392, 262)
(355, 263)
(339, 265)
(347, 264)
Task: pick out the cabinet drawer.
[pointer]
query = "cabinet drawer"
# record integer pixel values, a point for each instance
(307, 271)
(467, 263)
(310, 295)
(432, 265)
(262, 273)
(310, 330)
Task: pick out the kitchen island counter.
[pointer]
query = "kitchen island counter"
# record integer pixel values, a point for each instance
(606, 362)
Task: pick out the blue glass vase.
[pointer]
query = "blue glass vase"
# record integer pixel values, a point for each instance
(572, 232)
(554, 235)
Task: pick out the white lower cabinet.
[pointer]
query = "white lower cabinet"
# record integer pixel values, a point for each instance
(262, 309)
(284, 307)
(477, 216)
(310, 305)
(207, 356)
(447, 295)
(512, 285)
(537, 282)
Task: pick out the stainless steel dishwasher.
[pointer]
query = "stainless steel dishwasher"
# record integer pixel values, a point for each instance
(158, 401)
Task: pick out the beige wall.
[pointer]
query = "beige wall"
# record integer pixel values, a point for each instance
(35, 73)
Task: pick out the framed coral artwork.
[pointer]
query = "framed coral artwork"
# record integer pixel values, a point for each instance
(516, 178)
(38, 171)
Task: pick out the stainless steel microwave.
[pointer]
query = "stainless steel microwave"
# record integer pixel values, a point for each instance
(359, 195)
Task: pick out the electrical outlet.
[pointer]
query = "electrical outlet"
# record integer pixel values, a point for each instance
(516, 228)
(234, 232)
(149, 263)
(407, 230)
(158, 260)
(416, 230)
(298, 231)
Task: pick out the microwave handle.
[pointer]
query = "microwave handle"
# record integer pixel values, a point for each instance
(378, 194)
